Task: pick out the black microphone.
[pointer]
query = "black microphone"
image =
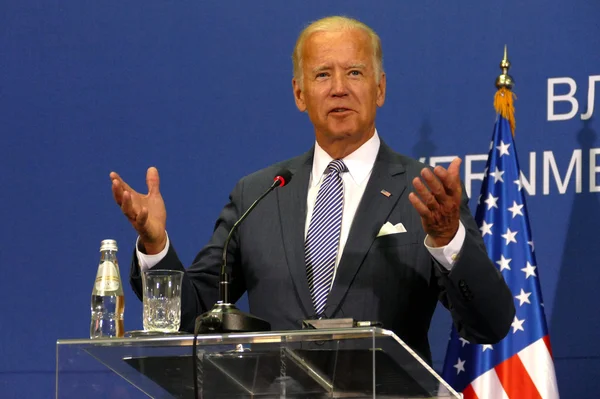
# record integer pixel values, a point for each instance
(224, 316)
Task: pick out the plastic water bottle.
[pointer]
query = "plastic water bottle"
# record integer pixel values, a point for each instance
(108, 302)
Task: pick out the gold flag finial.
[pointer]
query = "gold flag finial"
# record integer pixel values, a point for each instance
(503, 100)
(505, 80)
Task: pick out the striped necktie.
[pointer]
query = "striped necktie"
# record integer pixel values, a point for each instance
(323, 237)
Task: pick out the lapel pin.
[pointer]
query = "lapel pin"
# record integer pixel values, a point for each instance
(386, 193)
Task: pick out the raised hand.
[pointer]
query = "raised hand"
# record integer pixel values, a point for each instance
(146, 213)
(439, 205)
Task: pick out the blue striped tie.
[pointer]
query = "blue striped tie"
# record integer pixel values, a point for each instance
(323, 237)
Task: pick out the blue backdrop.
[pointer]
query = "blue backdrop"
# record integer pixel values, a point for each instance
(202, 90)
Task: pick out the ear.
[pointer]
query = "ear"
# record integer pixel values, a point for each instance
(381, 90)
(298, 95)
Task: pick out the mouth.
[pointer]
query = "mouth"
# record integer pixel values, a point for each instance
(340, 111)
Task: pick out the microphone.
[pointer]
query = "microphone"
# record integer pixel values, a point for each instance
(225, 316)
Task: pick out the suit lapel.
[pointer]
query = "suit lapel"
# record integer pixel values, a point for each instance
(373, 211)
(292, 212)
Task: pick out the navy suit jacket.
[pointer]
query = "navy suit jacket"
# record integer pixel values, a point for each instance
(392, 279)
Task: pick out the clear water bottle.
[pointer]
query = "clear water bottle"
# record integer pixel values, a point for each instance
(108, 302)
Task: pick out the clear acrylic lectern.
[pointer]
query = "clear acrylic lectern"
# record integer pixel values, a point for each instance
(325, 363)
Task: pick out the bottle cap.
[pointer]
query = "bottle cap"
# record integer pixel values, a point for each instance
(108, 245)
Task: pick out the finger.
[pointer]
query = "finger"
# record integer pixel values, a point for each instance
(450, 178)
(454, 168)
(142, 218)
(118, 189)
(127, 207)
(420, 207)
(152, 181)
(425, 195)
(115, 176)
(434, 184)
(117, 192)
(448, 184)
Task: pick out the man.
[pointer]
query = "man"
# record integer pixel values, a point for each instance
(318, 247)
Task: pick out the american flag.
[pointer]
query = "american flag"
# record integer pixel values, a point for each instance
(521, 365)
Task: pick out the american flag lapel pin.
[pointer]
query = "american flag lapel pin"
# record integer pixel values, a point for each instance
(386, 193)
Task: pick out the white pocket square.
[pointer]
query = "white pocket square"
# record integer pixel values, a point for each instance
(389, 228)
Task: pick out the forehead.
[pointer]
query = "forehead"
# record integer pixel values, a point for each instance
(346, 46)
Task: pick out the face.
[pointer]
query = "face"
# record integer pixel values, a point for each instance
(339, 88)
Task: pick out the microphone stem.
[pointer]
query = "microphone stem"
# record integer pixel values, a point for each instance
(224, 288)
(224, 283)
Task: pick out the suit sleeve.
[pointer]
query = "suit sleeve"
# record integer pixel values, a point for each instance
(200, 289)
(474, 291)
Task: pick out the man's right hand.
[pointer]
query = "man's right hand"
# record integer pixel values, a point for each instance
(146, 213)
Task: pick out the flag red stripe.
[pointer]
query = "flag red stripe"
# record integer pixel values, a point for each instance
(537, 361)
(469, 393)
(515, 379)
(547, 342)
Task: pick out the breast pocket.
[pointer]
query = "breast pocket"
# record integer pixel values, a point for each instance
(394, 240)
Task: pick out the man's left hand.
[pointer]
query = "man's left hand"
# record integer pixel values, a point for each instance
(438, 202)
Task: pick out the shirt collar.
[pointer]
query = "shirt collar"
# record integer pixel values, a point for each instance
(359, 163)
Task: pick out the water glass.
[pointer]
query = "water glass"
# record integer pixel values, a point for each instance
(162, 300)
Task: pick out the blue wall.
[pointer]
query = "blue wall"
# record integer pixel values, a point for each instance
(202, 90)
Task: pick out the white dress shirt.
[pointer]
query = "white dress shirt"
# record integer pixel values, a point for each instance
(360, 165)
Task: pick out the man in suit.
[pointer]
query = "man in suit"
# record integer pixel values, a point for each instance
(318, 247)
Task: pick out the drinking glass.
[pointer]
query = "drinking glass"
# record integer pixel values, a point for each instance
(162, 300)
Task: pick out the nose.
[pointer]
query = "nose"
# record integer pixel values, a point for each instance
(338, 85)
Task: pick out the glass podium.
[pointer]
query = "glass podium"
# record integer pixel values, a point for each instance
(361, 362)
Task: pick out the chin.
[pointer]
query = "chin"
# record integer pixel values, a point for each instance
(343, 130)
(346, 133)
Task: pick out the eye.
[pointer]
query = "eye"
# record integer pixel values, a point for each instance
(355, 72)
(322, 75)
